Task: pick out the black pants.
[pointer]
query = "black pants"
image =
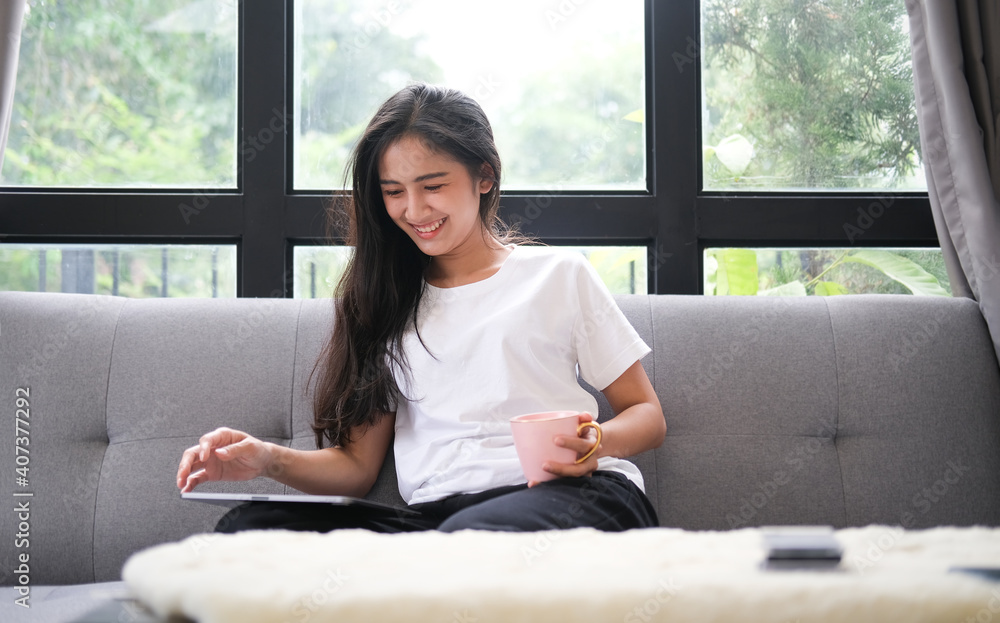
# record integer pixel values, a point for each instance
(606, 501)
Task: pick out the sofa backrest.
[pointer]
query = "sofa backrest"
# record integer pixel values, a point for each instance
(848, 410)
(844, 411)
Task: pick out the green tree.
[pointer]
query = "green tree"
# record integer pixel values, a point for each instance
(822, 90)
(125, 93)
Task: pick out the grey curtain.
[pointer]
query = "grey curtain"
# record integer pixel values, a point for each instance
(11, 14)
(956, 69)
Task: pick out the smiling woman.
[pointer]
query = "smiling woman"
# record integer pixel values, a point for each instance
(444, 331)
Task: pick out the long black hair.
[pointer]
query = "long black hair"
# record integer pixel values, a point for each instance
(378, 296)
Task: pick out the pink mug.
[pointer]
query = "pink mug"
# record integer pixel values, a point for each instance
(534, 440)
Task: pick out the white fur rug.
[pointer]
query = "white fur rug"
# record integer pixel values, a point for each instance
(578, 575)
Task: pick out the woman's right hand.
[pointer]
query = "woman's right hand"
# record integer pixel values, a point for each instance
(223, 454)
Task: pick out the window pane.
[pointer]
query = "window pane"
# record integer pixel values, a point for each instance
(318, 269)
(825, 272)
(623, 269)
(125, 93)
(137, 271)
(807, 96)
(562, 83)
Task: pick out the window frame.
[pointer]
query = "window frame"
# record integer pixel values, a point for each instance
(673, 218)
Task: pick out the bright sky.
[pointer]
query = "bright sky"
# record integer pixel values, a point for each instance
(482, 44)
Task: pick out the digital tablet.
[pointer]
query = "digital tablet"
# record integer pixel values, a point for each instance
(232, 499)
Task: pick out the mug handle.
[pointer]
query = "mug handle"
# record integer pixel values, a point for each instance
(596, 427)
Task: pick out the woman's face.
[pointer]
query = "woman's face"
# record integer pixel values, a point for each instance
(432, 197)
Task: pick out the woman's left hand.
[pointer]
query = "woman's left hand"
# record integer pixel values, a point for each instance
(582, 445)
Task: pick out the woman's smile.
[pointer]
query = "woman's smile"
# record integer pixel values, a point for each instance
(429, 230)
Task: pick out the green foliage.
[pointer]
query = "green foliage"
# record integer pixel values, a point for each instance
(736, 271)
(828, 288)
(823, 272)
(109, 93)
(190, 269)
(905, 271)
(20, 269)
(347, 65)
(823, 91)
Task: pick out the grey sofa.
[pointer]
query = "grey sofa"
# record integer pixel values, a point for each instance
(846, 411)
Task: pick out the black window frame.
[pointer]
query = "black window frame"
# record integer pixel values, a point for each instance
(673, 218)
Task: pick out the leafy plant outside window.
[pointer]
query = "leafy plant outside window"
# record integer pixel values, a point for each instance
(824, 272)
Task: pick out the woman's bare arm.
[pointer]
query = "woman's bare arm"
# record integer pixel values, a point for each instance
(637, 426)
(227, 454)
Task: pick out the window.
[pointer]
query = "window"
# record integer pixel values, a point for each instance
(808, 96)
(808, 128)
(318, 268)
(228, 124)
(138, 271)
(565, 97)
(116, 93)
(825, 272)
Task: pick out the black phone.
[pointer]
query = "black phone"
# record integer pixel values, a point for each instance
(987, 573)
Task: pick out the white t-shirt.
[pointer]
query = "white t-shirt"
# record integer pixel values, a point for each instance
(508, 345)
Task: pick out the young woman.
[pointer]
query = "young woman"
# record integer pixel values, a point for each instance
(445, 329)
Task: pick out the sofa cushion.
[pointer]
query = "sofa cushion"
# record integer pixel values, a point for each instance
(918, 411)
(843, 410)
